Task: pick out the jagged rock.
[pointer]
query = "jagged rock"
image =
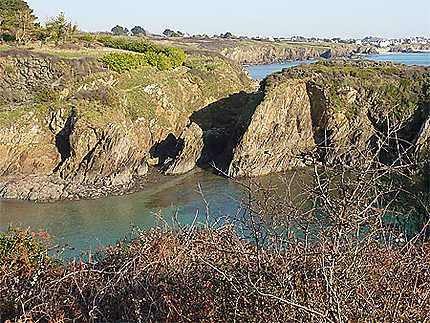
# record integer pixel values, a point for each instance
(342, 109)
(143, 169)
(192, 138)
(280, 129)
(27, 149)
(271, 53)
(96, 131)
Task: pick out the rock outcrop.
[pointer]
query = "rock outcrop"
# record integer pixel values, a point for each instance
(279, 131)
(95, 130)
(335, 111)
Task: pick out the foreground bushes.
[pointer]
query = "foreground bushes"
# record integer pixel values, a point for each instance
(149, 55)
(338, 250)
(213, 275)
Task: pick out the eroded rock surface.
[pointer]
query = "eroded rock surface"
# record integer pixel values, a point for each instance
(72, 129)
(280, 130)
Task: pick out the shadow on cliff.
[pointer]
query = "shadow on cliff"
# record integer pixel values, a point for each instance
(167, 151)
(62, 140)
(223, 122)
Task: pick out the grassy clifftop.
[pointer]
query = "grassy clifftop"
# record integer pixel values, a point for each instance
(40, 82)
(391, 89)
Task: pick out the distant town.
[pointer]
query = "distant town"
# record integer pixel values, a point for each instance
(374, 41)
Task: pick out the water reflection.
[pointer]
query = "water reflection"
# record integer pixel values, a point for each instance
(91, 223)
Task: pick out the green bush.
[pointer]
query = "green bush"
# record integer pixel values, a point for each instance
(18, 246)
(149, 54)
(85, 37)
(7, 37)
(122, 62)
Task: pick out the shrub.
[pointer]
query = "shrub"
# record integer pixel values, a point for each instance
(122, 62)
(21, 248)
(86, 37)
(161, 57)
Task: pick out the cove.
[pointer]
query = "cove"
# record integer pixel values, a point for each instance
(89, 224)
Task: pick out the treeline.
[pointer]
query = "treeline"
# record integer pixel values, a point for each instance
(148, 55)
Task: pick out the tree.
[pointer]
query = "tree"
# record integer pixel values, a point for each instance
(24, 25)
(172, 33)
(137, 30)
(227, 35)
(59, 28)
(17, 19)
(120, 31)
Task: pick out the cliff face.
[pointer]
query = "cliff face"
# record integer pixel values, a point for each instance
(250, 51)
(337, 110)
(268, 53)
(280, 127)
(92, 132)
(87, 133)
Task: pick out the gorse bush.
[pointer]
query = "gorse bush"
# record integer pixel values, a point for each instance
(122, 62)
(214, 275)
(149, 55)
(85, 37)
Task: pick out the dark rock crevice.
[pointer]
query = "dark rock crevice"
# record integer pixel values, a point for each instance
(224, 123)
(167, 151)
(62, 140)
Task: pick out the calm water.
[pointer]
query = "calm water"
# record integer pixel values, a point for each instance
(89, 224)
(259, 72)
(422, 59)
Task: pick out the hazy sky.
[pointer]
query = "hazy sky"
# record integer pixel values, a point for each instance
(321, 18)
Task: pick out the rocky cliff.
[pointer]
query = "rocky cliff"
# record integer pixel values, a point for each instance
(70, 129)
(337, 110)
(250, 51)
(273, 53)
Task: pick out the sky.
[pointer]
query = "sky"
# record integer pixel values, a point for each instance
(277, 18)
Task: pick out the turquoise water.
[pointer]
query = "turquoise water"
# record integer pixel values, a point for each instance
(89, 224)
(259, 72)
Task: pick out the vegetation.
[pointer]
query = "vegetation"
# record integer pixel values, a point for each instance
(150, 55)
(16, 20)
(60, 29)
(172, 33)
(122, 62)
(138, 31)
(394, 92)
(120, 31)
(227, 35)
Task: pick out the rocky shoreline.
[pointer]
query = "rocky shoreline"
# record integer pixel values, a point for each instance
(50, 188)
(99, 133)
